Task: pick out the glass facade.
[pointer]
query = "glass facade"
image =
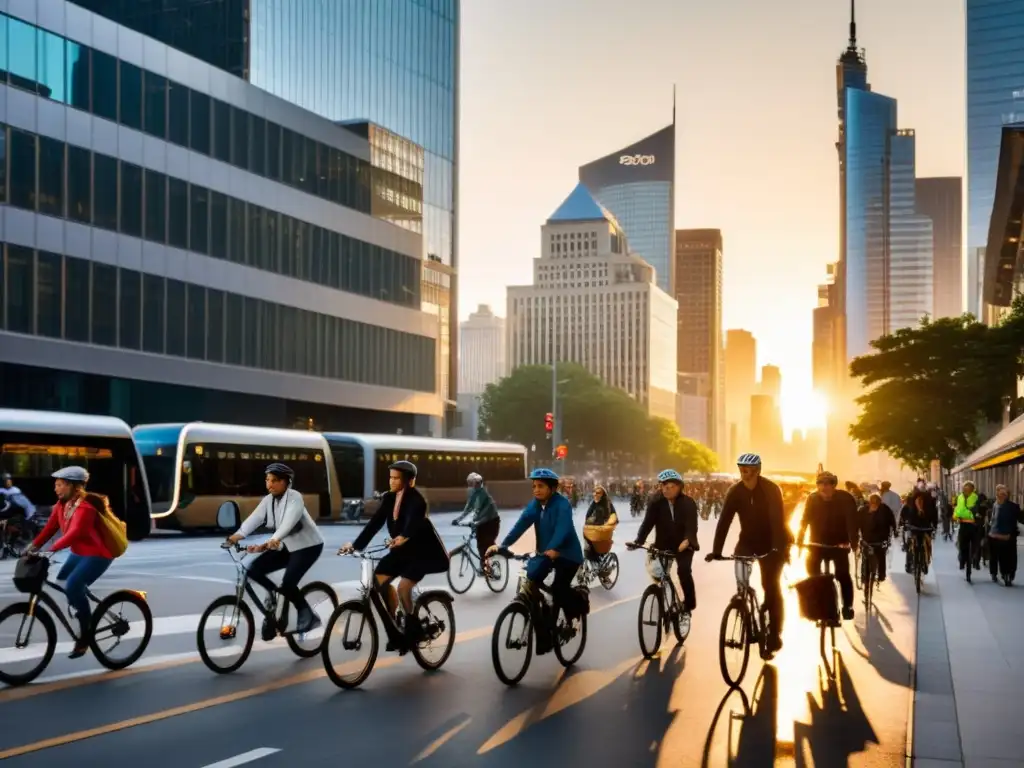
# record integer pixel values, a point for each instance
(63, 297)
(62, 180)
(995, 97)
(910, 241)
(870, 126)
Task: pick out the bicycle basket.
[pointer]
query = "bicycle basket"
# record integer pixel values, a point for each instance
(655, 568)
(30, 574)
(817, 597)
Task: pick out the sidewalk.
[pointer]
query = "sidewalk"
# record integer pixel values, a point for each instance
(970, 670)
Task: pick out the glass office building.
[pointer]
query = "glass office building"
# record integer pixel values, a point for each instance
(176, 244)
(637, 184)
(911, 252)
(995, 97)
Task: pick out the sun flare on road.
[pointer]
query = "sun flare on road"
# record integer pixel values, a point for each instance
(803, 409)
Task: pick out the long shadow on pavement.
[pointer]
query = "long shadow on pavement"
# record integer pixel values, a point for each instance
(747, 737)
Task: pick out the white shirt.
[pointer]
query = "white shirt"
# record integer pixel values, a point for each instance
(282, 515)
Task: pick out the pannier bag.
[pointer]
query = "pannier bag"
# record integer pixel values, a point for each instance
(30, 574)
(817, 597)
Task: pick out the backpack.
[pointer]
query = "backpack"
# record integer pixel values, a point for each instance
(112, 529)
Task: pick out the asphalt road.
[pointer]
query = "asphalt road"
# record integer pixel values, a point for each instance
(613, 708)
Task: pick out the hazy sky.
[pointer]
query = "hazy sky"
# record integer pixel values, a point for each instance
(548, 85)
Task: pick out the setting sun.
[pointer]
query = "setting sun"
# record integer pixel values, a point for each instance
(803, 409)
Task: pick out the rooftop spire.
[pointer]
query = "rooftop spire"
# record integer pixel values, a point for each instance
(853, 25)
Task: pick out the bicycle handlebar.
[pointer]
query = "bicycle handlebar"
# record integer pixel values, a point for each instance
(508, 553)
(371, 553)
(652, 550)
(915, 529)
(740, 558)
(815, 545)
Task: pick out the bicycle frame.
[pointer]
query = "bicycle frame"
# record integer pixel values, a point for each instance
(243, 586)
(471, 552)
(371, 593)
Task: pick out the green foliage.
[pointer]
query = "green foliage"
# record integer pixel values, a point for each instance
(594, 417)
(929, 388)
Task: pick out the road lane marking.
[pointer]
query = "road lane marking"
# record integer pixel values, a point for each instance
(248, 693)
(441, 740)
(245, 757)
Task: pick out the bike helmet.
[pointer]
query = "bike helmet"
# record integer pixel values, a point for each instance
(474, 479)
(407, 468)
(543, 474)
(277, 469)
(72, 475)
(749, 460)
(670, 476)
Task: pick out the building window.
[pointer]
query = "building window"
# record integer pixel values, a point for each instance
(214, 325)
(51, 66)
(175, 318)
(177, 213)
(77, 60)
(177, 111)
(222, 131)
(19, 281)
(155, 117)
(240, 137)
(196, 321)
(218, 225)
(234, 327)
(200, 123)
(77, 295)
(130, 95)
(21, 52)
(130, 318)
(49, 293)
(236, 244)
(51, 176)
(153, 313)
(3, 160)
(156, 206)
(131, 199)
(79, 184)
(104, 192)
(104, 85)
(199, 221)
(23, 169)
(104, 305)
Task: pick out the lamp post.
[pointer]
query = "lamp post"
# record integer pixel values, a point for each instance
(556, 431)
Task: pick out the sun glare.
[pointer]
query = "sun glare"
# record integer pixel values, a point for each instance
(803, 409)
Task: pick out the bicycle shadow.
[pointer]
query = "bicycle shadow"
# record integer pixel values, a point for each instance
(839, 727)
(879, 650)
(749, 738)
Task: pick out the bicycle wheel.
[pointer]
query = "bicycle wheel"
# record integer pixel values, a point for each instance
(437, 624)
(566, 632)
(119, 618)
(608, 573)
(858, 565)
(517, 636)
(234, 631)
(918, 569)
(21, 659)
(680, 627)
(734, 641)
(649, 619)
(498, 579)
(351, 628)
(323, 600)
(461, 572)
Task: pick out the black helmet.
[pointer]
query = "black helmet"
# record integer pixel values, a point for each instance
(280, 470)
(407, 468)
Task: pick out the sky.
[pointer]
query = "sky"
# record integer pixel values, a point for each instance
(548, 85)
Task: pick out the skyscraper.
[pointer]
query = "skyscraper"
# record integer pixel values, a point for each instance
(740, 384)
(637, 184)
(698, 290)
(482, 359)
(910, 254)
(995, 97)
(941, 200)
(771, 382)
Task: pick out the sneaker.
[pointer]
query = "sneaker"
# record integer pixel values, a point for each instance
(307, 621)
(848, 613)
(80, 649)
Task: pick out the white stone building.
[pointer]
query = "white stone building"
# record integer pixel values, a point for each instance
(482, 358)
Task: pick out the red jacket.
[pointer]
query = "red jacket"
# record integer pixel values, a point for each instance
(81, 532)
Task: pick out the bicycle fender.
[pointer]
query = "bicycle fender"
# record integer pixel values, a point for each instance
(435, 594)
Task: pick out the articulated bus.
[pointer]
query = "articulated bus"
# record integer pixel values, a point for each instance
(194, 469)
(362, 460)
(35, 444)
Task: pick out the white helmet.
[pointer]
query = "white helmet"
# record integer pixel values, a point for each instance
(474, 479)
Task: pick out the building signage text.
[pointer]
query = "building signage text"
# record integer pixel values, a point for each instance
(636, 160)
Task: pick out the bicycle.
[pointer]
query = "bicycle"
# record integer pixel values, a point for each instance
(868, 562)
(605, 569)
(431, 608)
(918, 559)
(750, 618)
(533, 605)
(665, 606)
(465, 559)
(828, 626)
(106, 623)
(236, 611)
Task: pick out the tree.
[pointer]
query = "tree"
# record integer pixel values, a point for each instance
(929, 388)
(670, 449)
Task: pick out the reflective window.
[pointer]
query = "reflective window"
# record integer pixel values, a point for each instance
(234, 329)
(156, 206)
(79, 184)
(251, 343)
(214, 325)
(218, 225)
(21, 42)
(104, 304)
(78, 76)
(258, 146)
(222, 131)
(236, 216)
(130, 96)
(3, 161)
(200, 123)
(196, 321)
(240, 140)
(199, 221)
(130, 304)
(51, 66)
(3, 79)
(131, 199)
(177, 213)
(153, 313)
(18, 283)
(177, 110)
(104, 192)
(175, 318)
(23, 169)
(77, 294)
(155, 117)
(51, 176)
(49, 293)
(273, 151)
(104, 85)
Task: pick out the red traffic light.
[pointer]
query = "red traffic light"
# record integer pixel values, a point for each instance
(549, 422)
(562, 451)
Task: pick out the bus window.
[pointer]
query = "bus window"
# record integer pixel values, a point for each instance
(238, 470)
(160, 473)
(350, 464)
(31, 464)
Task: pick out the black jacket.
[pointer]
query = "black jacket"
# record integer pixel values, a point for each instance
(669, 530)
(600, 512)
(929, 518)
(762, 519)
(412, 523)
(877, 526)
(831, 522)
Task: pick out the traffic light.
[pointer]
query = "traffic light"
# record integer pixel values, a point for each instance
(562, 451)
(549, 422)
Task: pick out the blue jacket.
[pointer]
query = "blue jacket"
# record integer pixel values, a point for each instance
(554, 530)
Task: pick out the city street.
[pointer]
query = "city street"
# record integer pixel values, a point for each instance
(611, 709)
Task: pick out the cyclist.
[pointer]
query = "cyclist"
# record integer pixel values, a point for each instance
(294, 546)
(763, 531)
(832, 515)
(877, 526)
(600, 513)
(416, 549)
(673, 517)
(920, 511)
(76, 514)
(557, 544)
(486, 521)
